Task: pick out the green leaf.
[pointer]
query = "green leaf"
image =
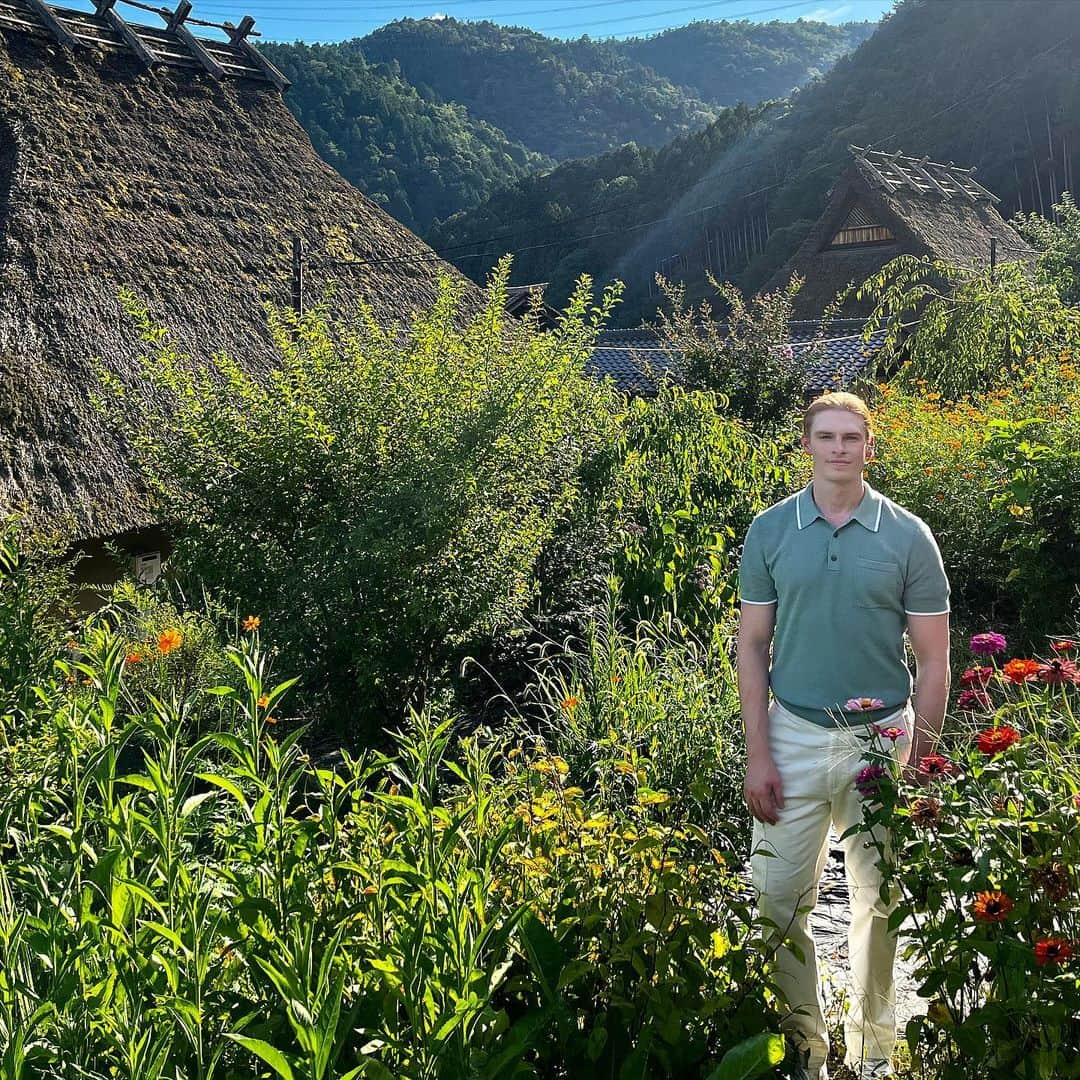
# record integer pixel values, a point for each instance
(750, 1058)
(272, 1056)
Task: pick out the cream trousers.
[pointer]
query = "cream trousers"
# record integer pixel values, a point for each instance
(818, 767)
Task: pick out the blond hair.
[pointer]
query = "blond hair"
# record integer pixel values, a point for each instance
(851, 403)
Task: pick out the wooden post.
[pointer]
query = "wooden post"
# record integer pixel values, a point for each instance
(106, 9)
(59, 30)
(298, 275)
(176, 26)
(238, 38)
(993, 257)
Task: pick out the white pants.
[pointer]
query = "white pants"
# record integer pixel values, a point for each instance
(817, 769)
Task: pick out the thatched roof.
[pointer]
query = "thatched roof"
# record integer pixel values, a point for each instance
(931, 210)
(188, 190)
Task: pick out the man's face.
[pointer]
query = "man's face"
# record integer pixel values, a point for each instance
(838, 445)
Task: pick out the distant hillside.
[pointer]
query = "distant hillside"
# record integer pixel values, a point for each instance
(429, 117)
(418, 158)
(728, 62)
(570, 99)
(989, 83)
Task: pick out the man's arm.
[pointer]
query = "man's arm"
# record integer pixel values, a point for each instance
(929, 636)
(761, 787)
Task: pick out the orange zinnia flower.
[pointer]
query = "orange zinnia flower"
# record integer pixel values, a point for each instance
(995, 740)
(992, 906)
(251, 623)
(1021, 671)
(169, 640)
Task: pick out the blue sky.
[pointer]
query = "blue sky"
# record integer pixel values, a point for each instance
(336, 20)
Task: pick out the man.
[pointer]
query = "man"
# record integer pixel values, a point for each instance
(830, 578)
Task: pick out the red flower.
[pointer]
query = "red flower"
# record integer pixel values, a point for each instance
(970, 700)
(995, 740)
(976, 676)
(1057, 672)
(1052, 950)
(1021, 671)
(133, 657)
(1062, 646)
(992, 906)
(936, 765)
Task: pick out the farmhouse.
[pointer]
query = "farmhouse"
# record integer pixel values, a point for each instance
(168, 164)
(889, 204)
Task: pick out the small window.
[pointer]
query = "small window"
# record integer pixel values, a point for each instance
(860, 227)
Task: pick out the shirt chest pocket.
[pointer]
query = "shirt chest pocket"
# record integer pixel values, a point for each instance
(877, 583)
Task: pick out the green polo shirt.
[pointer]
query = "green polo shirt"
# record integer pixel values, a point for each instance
(842, 599)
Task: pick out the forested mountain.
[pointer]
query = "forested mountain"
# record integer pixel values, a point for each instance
(989, 83)
(419, 158)
(728, 62)
(431, 116)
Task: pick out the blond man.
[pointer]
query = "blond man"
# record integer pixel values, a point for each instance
(831, 578)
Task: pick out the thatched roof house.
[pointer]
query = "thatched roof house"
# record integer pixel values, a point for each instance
(886, 205)
(176, 170)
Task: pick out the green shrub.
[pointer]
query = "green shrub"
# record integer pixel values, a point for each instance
(747, 358)
(995, 479)
(973, 327)
(664, 507)
(380, 499)
(985, 860)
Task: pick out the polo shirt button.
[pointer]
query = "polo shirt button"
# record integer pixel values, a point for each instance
(833, 558)
(836, 534)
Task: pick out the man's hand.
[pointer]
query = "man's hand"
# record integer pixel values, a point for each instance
(762, 789)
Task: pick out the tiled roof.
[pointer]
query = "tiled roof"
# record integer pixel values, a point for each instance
(638, 359)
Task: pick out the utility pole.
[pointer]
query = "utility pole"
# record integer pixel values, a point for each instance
(298, 275)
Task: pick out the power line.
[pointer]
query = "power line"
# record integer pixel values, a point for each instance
(295, 14)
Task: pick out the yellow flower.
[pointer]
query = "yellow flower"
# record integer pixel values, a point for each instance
(169, 640)
(251, 623)
(263, 701)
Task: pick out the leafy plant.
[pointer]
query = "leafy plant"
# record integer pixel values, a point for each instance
(381, 498)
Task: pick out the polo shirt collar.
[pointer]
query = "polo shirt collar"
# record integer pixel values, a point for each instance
(867, 513)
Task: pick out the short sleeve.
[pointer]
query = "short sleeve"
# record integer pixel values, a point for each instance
(926, 588)
(756, 585)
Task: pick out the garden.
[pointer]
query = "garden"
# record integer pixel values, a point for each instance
(424, 759)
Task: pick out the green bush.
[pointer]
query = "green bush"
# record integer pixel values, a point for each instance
(664, 507)
(747, 358)
(380, 499)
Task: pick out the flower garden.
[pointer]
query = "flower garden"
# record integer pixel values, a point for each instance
(425, 758)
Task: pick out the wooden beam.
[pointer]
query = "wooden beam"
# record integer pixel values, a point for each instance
(59, 30)
(177, 27)
(106, 10)
(238, 37)
(920, 167)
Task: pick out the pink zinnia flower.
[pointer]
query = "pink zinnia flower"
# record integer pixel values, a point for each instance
(976, 676)
(988, 644)
(863, 704)
(890, 733)
(1058, 672)
(969, 700)
(866, 783)
(936, 765)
